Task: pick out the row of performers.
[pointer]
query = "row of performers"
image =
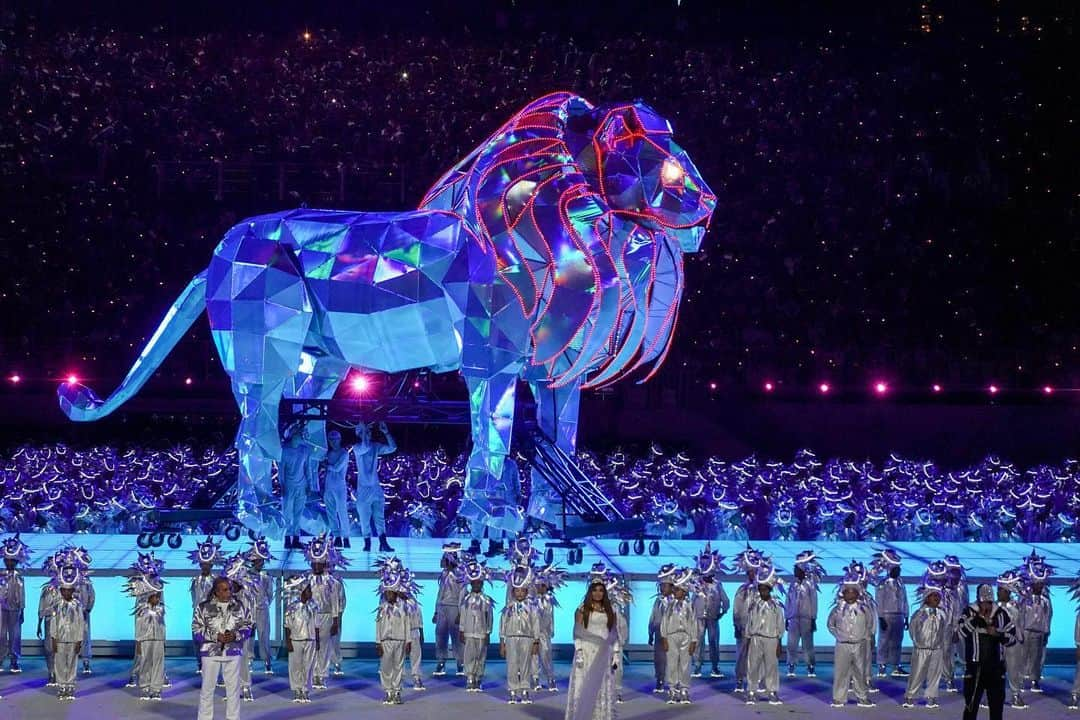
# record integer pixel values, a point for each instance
(232, 611)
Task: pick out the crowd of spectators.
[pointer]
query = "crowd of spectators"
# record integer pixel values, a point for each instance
(900, 200)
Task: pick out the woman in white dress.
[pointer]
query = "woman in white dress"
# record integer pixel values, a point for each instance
(591, 695)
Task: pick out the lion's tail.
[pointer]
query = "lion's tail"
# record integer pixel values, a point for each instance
(81, 404)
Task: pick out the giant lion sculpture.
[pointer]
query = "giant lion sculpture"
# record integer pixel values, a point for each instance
(551, 253)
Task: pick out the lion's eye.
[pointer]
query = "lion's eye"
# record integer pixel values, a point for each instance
(672, 171)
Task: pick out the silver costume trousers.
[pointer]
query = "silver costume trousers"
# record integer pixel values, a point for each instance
(301, 665)
(800, 633)
(392, 665)
(849, 667)
(762, 665)
(927, 666)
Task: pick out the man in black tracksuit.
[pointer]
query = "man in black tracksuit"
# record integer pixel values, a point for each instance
(986, 629)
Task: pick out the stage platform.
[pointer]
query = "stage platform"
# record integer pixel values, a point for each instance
(113, 554)
(358, 694)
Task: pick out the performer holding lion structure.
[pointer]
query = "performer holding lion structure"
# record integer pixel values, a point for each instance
(370, 497)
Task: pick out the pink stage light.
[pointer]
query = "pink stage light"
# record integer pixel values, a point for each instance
(359, 383)
(881, 388)
(1047, 390)
(936, 388)
(993, 389)
(187, 381)
(824, 388)
(712, 386)
(768, 386)
(72, 379)
(15, 379)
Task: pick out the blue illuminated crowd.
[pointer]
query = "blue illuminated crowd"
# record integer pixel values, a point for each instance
(106, 489)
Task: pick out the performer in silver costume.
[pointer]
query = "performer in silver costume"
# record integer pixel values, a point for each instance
(678, 635)
(393, 627)
(258, 555)
(206, 555)
(476, 623)
(956, 587)
(747, 562)
(245, 589)
(548, 579)
(711, 603)
(1037, 614)
(801, 611)
(519, 634)
(416, 640)
(764, 630)
(336, 489)
(46, 600)
(297, 477)
(370, 497)
(67, 629)
(144, 582)
(339, 604)
(150, 634)
(12, 600)
(851, 622)
(1074, 694)
(930, 632)
(447, 609)
(892, 609)
(664, 589)
(220, 626)
(301, 636)
(320, 554)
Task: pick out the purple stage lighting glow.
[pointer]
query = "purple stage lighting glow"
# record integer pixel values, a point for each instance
(936, 388)
(15, 379)
(768, 386)
(1048, 390)
(993, 389)
(72, 378)
(359, 383)
(187, 381)
(881, 388)
(824, 388)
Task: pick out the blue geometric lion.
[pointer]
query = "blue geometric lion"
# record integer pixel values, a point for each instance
(552, 253)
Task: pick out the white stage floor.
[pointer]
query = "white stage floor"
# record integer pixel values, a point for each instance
(113, 554)
(103, 695)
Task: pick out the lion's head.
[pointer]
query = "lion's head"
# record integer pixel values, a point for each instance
(590, 210)
(629, 153)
